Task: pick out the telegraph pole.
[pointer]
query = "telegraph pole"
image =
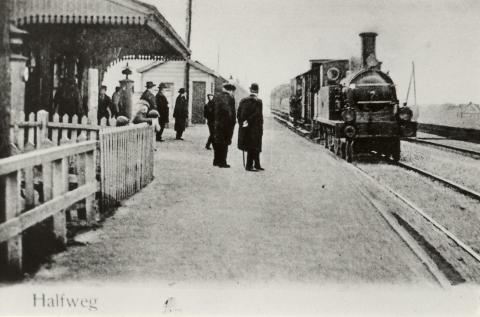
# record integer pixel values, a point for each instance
(188, 29)
(188, 35)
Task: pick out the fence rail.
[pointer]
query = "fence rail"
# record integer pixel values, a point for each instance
(32, 132)
(21, 212)
(52, 176)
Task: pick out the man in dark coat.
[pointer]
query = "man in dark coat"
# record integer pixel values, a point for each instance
(250, 132)
(67, 99)
(208, 113)
(180, 113)
(163, 110)
(224, 124)
(148, 95)
(104, 104)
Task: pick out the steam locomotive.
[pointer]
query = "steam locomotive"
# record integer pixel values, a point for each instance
(351, 104)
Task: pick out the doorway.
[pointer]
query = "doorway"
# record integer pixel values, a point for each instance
(198, 101)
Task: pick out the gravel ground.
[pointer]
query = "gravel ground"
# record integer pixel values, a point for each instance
(456, 212)
(452, 166)
(296, 222)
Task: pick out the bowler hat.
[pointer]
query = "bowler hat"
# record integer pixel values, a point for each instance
(229, 87)
(162, 85)
(254, 87)
(150, 84)
(153, 114)
(181, 90)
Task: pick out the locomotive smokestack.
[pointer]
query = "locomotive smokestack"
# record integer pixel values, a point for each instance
(368, 46)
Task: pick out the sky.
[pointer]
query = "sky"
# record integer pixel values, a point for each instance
(271, 41)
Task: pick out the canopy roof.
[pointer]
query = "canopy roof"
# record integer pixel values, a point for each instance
(99, 12)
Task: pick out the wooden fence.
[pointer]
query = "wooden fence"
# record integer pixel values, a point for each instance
(54, 171)
(22, 212)
(116, 146)
(29, 133)
(126, 157)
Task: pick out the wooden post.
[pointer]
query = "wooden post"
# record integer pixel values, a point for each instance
(91, 210)
(42, 132)
(5, 79)
(59, 187)
(11, 267)
(188, 28)
(187, 87)
(5, 86)
(93, 94)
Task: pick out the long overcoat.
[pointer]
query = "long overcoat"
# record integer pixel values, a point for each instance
(224, 118)
(162, 105)
(208, 113)
(104, 104)
(150, 98)
(180, 113)
(251, 111)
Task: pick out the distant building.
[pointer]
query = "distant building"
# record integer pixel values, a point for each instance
(172, 74)
(469, 110)
(203, 81)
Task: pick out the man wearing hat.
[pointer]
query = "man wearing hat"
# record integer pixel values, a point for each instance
(180, 113)
(148, 95)
(224, 123)
(250, 120)
(163, 110)
(104, 104)
(209, 115)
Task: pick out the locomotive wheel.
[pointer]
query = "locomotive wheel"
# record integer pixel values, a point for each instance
(349, 151)
(396, 150)
(343, 149)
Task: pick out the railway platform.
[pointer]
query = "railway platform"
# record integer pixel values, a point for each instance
(296, 222)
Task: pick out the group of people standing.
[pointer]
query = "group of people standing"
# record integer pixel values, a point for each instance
(221, 120)
(151, 106)
(220, 114)
(159, 102)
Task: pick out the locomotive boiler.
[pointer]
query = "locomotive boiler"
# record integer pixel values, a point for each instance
(352, 105)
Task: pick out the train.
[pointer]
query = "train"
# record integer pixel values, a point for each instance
(351, 104)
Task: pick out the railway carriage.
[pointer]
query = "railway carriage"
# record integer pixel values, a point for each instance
(353, 106)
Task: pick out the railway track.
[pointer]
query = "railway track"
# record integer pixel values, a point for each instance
(466, 152)
(450, 184)
(444, 279)
(426, 217)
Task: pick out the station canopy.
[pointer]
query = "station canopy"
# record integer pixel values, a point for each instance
(123, 27)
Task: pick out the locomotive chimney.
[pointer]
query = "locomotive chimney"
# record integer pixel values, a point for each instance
(368, 46)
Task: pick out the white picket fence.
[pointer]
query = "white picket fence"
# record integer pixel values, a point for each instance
(66, 169)
(124, 157)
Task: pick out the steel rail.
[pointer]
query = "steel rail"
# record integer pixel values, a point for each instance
(457, 187)
(470, 153)
(423, 214)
